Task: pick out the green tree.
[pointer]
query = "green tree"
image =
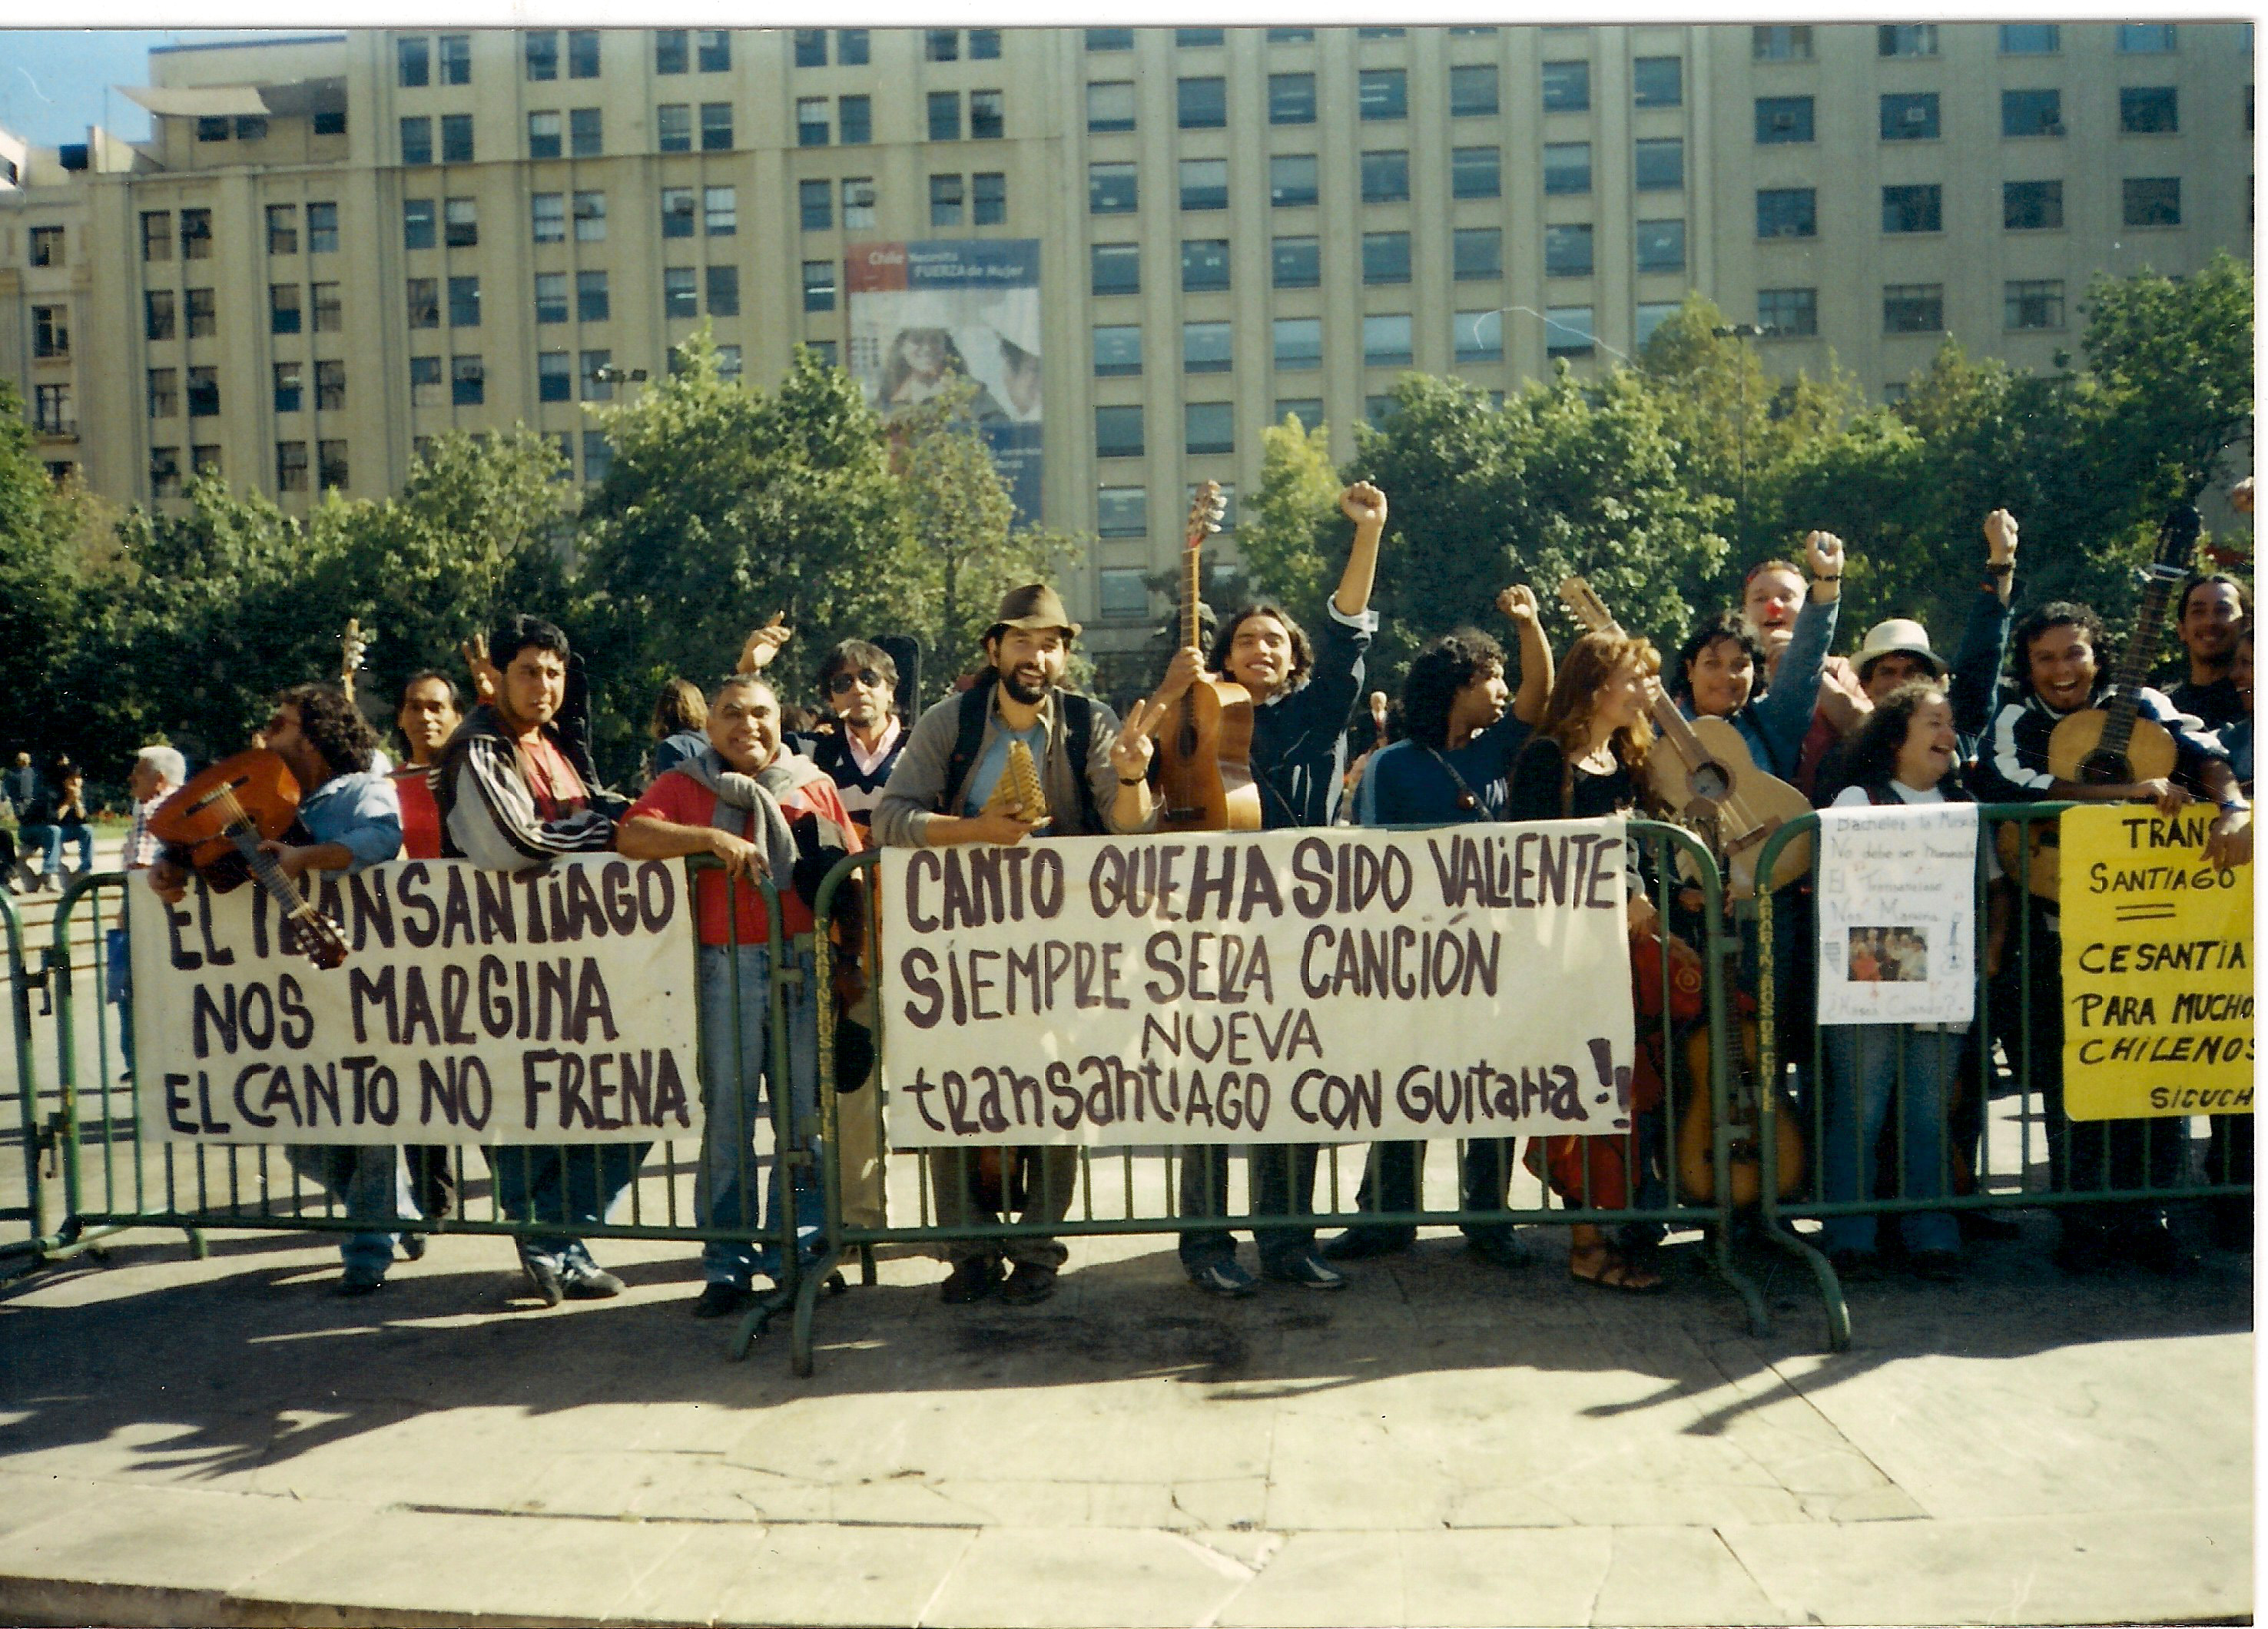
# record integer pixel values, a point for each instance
(39, 601)
(1280, 532)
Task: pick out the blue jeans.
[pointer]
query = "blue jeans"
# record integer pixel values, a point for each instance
(49, 841)
(1283, 1180)
(566, 1183)
(369, 1181)
(118, 967)
(1863, 1061)
(735, 1068)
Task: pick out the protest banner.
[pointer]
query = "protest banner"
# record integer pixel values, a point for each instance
(1896, 891)
(2157, 967)
(549, 1005)
(1289, 986)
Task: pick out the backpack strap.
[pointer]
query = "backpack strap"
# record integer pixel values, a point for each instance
(976, 701)
(1078, 734)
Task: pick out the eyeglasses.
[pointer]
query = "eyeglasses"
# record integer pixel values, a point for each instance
(841, 683)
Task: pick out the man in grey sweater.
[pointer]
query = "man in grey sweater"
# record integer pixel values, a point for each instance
(1094, 774)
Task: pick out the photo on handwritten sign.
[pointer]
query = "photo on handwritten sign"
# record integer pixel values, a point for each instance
(1888, 955)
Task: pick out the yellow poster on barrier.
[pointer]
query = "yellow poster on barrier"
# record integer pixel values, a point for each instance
(2157, 967)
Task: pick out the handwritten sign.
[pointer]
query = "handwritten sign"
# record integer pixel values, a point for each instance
(1291, 986)
(2157, 967)
(1897, 914)
(550, 1006)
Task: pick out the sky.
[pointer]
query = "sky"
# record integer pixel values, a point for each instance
(53, 80)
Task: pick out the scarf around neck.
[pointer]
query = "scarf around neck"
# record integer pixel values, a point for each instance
(738, 794)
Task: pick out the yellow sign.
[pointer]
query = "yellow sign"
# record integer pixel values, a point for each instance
(2157, 967)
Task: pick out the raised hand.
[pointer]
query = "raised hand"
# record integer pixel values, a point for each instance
(1823, 554)
(1363, 505)
(1841, 697)
(487, 683)
(2000, 536)
(1131, 752)
(1518, 603)
(763, 644)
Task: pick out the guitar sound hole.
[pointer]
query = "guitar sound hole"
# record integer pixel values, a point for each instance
(1711, 781)
(2104, 768)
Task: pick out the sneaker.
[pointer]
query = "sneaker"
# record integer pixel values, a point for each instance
(1935, 1266)
(1307, 1270)
(1364, 1240)
(1028, 1285)
(973, 1278)
(413, 1245)
(543, 1273)
(722, 1299)
(585, 1280)
(1224, 1277)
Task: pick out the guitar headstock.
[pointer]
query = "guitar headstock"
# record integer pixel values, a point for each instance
(315, 936)
(2177, 536)
(1207, 506)
(354, 642)
(1583, 603)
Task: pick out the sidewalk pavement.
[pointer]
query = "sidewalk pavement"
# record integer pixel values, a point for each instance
(223, 1442)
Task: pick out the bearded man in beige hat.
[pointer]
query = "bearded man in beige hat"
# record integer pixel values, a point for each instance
(1092, 776)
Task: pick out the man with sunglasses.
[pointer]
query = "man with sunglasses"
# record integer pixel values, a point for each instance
(858, 684)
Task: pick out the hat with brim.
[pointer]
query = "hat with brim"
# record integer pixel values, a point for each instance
(1900, 636)
(1033, 606)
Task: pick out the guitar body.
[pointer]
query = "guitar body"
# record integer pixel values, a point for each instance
(195, 819)
(2075, 752)
(1697, 1127)
(1204, 761)
(1727, 790)
(2038, 865)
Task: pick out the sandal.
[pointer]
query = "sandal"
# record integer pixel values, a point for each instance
(1615, 1273)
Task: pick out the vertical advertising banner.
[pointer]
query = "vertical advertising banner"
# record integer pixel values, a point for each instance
(922, 313)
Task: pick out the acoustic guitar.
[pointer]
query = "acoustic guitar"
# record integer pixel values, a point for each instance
(1204, 755)
(229, 809)
(1697, 1124)
(2111, 745)
(1707, 777)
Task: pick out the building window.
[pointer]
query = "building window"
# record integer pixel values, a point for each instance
(945, 200)
(2030, 39)
(1657, 82)
(810, 48)
(1788, 212)
(1295, 262)
(1913, 308)
(585, 133)
(1109, 38)
(1569, 331)
(202, 312)
(329, 313)
(713, 50)
(1906, 40)
(1122, 596)
(672, 127)
(1386, 341)
(461, 224)
(1208, 427)
(819, 286)
(859, 204)
(456, 52)
(1660, 246)
(815, 205)
(1788, 313)
(2147, 110)
(456, 138)
(2152, 202)
(1308, 410)
(1291, 99)
(2031, 112)
(676, 213)
(681, 295)
(1567, 251)
(1478, 254)
(283, 308)
(413, 58)
(851, 45)
(1298, 343)
(51, 410)
(720, 211)
(543, 130)
(988, 195)
(1111, 189)
(1109, 106)
(1383, 93)
(716, 127)
(464, 302)
(1475, 172)
(1201, 104)
(1661, 164)
(550, 296)
(283, 229)
(158, 314)
(330, 121)
(290, 468)
(1478, 335)
(555, 377)
(984, 45)
(945, 115)
(157, 235)
(1913, 209)
(1783, 119)
(582, 53)
(1206, 348)
(197, 234)
(1118, 431)
(542, 52)
(942, 45)
(1117, 351)
(2035, 305)
(591, 303)
(2145, 39)
(673, 49)
(1909, 116)
(1386, 176)
(419, 228)
(987, 116)
(330, 386)
(590, 218)
(1381, 34)
(165, 392)
(548, 216)
(1204, 183)
(1566, 87)
(855, 120)
(1115, 269)
(1189, 38)
(1385, 257)
(1779, 44)
(468, 381)
(1472, 91)
(1566, 168)
(1651, 315)
(330, 464)
(424, 381)
(1293, 181)
(598, 457)
(205, 392)
(2031, 206)
(1205, 265)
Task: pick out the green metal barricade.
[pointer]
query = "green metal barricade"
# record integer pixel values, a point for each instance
(25, 1237)
(1108, 1181)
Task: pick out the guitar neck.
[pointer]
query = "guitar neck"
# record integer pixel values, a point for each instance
(1677, 730)
(1191, 579)
(2134, 661)
(268, 873)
